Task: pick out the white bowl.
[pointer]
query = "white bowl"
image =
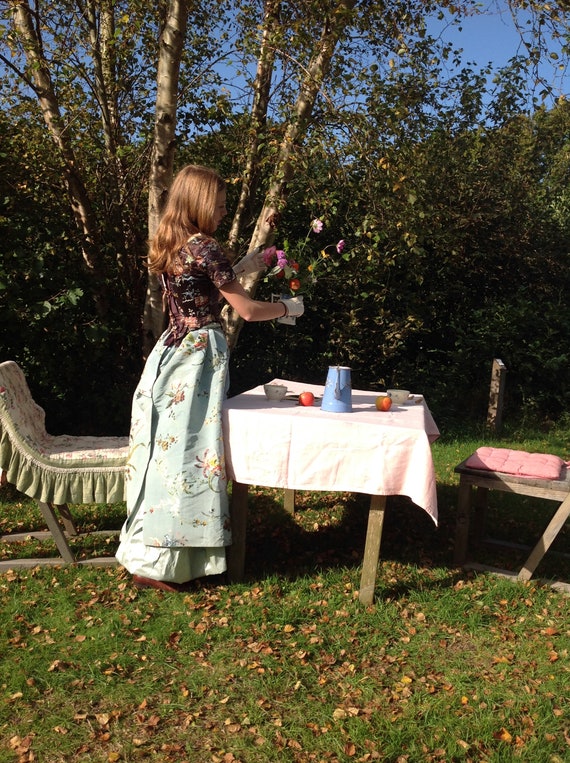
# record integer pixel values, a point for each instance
(399, 396)
(275, 391)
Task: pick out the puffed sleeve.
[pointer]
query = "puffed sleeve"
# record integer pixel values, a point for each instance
(217, 265)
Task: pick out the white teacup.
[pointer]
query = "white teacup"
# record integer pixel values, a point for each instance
(275, 391)
(399, 396)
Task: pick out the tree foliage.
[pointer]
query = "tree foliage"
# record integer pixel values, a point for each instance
(448, 182)
(461, 256)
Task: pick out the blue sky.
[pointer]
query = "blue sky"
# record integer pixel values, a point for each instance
(493, 38)
(488, 37)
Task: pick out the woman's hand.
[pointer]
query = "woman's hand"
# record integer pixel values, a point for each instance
(294, 305)
(253, 261)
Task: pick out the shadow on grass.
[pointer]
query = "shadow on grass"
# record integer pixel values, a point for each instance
(329, 530)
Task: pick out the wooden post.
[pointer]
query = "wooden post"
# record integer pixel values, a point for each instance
(496, 395)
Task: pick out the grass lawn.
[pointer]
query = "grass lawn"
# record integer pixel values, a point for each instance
(287, 666)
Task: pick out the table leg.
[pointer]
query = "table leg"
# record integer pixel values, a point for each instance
(289, 501)
(554, 527)
(236, 552)
(372, 548)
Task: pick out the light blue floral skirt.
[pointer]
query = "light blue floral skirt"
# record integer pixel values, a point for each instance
(178, 521)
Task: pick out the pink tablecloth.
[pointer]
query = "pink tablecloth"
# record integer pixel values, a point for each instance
(285, 445)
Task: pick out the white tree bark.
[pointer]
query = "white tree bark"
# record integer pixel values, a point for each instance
(261, 93)
(40, 79)
(275, 199)
(162, 161)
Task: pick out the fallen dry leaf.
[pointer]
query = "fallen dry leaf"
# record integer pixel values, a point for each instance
(503, 735)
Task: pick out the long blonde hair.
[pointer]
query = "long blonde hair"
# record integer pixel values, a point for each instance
(190, 209)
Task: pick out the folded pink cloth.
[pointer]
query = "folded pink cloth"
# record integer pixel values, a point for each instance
(517, 462)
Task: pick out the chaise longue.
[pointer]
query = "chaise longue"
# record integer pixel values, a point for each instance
(54, 470)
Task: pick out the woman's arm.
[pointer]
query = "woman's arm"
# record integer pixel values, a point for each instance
(250, 309)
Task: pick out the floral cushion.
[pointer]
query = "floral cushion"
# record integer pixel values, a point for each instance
(55, 469)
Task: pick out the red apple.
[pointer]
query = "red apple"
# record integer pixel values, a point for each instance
(306, 398)
(383, 403)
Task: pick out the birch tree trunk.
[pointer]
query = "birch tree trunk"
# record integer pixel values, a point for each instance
(162, 160)
(275, 199)
(101, 24)
(39, 79)
(261, 92)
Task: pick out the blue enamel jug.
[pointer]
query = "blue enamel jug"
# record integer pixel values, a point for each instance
(337, 396)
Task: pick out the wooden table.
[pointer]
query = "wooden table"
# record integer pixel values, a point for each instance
(285, 445)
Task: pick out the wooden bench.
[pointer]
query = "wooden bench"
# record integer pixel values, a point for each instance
(54, 470)
(474, 487)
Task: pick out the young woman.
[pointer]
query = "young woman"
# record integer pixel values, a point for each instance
(178, 522)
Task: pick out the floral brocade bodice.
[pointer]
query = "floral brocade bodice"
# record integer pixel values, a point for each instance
(192, 291)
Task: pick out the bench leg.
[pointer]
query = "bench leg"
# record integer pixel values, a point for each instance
(57, 532)
(554, 527)
(462, 524)
(236, 552)
(372, 548)
(480, 504)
